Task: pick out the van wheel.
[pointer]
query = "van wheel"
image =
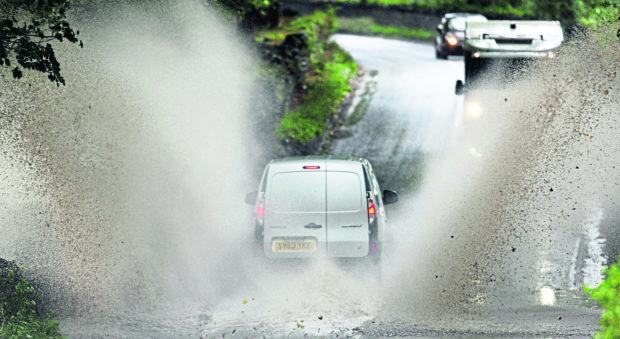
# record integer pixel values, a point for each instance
(375, 265)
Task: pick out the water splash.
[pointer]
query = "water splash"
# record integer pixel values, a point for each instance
(124, 187)
(491, 222)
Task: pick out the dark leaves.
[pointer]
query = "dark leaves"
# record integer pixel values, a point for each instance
(27, 41)
(17, 73)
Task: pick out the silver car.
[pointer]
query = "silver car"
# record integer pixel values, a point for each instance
(451, 33)
(320, 206)
(506, 45)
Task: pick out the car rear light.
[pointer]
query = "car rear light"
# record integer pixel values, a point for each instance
(312, 167)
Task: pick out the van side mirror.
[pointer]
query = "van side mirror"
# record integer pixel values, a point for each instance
(250, 198)
(389, 197)
(439, 28)
(459, 87)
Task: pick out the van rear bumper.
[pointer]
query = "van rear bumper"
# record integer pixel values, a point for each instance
(347, 249)
(336, 249)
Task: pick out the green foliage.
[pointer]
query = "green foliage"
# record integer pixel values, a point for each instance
(585, 12)
(608, 296)
(26, 29)
(599, 13)
(18, 315)
(326, 82)
(311, 117)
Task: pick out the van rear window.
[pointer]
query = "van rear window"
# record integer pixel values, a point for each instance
(344, 192)
(297, 192)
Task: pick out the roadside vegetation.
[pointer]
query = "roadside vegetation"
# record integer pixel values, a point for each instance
(27, 29)
(608, 296)
(18, 307)
(322, 71)
(367, 26)
(325, 82)
(583, 12)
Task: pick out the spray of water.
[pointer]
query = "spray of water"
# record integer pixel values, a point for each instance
(505, 203)
(124, 190)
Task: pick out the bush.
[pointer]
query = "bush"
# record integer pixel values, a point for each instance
(608, 296)
(18, 313)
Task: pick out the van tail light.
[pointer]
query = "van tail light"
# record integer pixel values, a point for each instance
(260, 211)
(371, 211)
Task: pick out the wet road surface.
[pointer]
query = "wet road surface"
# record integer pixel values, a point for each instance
(470, 253)
(492, 237)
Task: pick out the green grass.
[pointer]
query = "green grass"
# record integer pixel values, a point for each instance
(325, 92)
(402, 32)
(367, 26)
(325, 83)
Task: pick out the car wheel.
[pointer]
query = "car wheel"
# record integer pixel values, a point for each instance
(443, 54)
(473, 68)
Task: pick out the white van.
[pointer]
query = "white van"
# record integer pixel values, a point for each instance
(319, 206)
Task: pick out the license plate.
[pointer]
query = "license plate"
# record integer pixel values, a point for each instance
(293, 245)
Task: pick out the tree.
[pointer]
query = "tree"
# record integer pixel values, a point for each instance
(26, 29)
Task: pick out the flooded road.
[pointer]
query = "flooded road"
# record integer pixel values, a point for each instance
(497, 224)
(123, 198)
(479, 244)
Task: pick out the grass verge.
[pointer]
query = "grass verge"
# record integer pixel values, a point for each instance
(325, 83)
(367, 26)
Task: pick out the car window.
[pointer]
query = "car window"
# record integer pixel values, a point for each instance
(297, 192)
(457, 24)
(344, 192)
(367, 180)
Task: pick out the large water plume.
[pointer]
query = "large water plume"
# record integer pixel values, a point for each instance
(123, 189)
(521, 190)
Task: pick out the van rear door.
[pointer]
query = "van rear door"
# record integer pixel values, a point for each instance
(295, 224)
(347, 218)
